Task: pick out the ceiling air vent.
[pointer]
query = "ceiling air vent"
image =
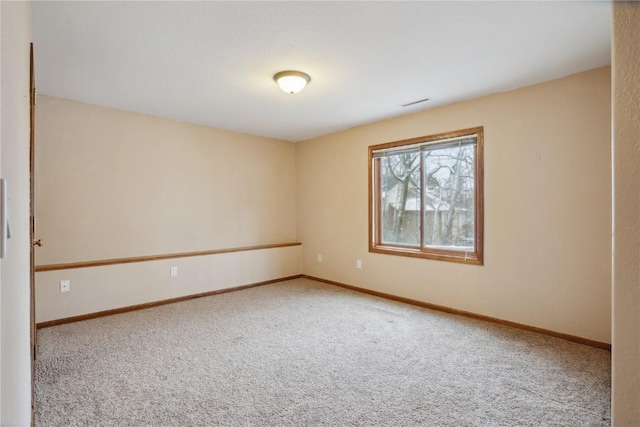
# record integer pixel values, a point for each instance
(416, 102)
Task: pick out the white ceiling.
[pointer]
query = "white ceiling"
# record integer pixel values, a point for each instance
(212, 62)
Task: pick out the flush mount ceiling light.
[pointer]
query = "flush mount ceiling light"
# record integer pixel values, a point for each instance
(291, 81)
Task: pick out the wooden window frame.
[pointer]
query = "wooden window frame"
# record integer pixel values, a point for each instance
(476, 257)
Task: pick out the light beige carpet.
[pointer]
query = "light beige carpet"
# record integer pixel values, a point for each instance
(305, 353)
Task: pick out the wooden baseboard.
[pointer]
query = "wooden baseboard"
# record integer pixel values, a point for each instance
(422, 304)
(450, 310)
(156, 303)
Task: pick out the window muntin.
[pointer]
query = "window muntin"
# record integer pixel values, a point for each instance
(426, 197)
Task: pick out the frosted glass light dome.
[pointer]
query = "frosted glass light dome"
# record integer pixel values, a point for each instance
(291, 81)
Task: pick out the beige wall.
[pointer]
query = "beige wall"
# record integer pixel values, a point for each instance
(626, 278)
(114, 184)
(15, 357)
(547, 221)
(104, 288)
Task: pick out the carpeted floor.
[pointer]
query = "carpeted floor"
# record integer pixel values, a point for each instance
(306, 353)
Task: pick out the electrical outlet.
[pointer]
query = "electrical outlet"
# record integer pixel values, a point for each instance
(65, 285)
(359, 264)
(174, 271)
(319, 257)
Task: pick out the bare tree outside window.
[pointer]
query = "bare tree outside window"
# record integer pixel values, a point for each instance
(401, 199)
(449, 197)
(427, 197)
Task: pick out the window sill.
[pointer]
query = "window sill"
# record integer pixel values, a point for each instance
(472, 258)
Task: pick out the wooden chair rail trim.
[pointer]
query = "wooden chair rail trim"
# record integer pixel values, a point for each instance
(103, 262)
(471, 315)
(156, 303)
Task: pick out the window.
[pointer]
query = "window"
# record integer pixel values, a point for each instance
(426, 197)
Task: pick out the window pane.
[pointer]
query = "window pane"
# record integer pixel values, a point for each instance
(400, 198)
(426, 197)
(449, 197)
